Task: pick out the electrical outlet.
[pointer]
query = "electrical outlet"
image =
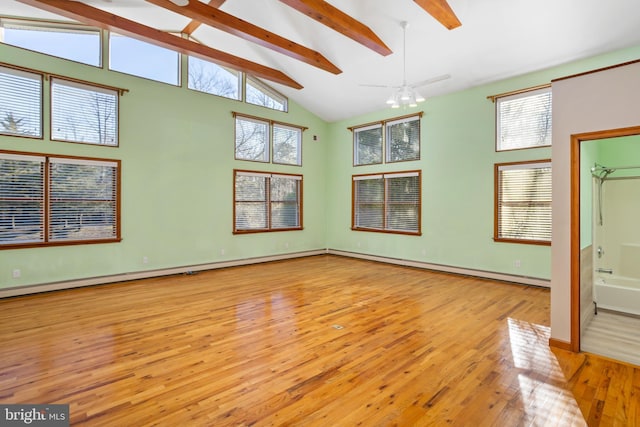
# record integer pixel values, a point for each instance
(517, 263)
(222, 251)
(16, 273)
(145, 260)
(286, 245)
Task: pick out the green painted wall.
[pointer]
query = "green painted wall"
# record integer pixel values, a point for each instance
(177, 152)
(457, 161)
(176, 148)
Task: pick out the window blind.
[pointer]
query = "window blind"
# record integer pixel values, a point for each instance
(20, 103)
(83, 113)
(251, 202)
(21, 198)
(266, 201)
(387, 202)
(368, 145)
(369, 202)
(287, 144)
(285, 206)
(252, 139)
(403, 203)
(83, 199)
(403, 139)
(524, 120)
(524, 201)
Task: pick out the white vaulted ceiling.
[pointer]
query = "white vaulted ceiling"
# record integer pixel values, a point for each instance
(497, 39)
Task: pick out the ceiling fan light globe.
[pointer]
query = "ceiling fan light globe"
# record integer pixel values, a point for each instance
(420, 98)
(180, 2)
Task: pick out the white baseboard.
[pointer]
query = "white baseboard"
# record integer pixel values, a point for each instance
(524, 280)
(69, 284)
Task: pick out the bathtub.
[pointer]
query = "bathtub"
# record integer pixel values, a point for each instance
(617, 293)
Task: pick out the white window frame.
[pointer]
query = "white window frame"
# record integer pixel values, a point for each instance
(269, 93)
(297, 133)
(66, 106)
(389, 141)
(385, 139)
(26, 103)
(268, 153)
(386, 202)
(45, 27)
(145, 75)
(525, 218)
(536, 124)
(357, 161)
(267, 204)
(214, 89)
(265, 143)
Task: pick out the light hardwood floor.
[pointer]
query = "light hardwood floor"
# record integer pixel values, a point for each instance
(317, 341)
(613, 335)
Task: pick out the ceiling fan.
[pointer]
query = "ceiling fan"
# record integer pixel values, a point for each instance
(406, 94)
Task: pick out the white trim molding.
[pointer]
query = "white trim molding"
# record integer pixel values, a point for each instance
(124, 277)
(503, 277)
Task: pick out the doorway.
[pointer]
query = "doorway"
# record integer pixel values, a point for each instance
(610, 146)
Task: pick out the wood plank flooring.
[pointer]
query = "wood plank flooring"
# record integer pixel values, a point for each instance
(317, 341)
(613, 335)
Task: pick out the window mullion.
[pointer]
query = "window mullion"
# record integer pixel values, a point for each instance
(46, 201)
(385, 203)
(268, 202)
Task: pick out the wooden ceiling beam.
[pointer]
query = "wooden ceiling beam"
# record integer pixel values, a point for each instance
(194, 24)
(339, 21)
(98, 18)
(441, 11)
(238, 27)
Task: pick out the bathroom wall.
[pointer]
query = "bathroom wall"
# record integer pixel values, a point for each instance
(609, 99)
(619, 234)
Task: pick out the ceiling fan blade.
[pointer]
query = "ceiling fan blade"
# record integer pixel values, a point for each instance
(441, 11)
(430, 81)
(368, 85)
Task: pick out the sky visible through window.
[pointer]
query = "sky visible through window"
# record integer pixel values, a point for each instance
(138, 58)
(80, 46)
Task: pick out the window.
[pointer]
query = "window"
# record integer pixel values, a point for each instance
(401, 139)
(20, 103)
(524, 120)
(143, 59)
(68, 41)
(523, 202)
(256, 138)
(287, 144)
(258, 93)
(205, 76)
(387, 202)
(252, 139)
(83, 113)
(267, 202)
(76, 201)
(367, 143)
